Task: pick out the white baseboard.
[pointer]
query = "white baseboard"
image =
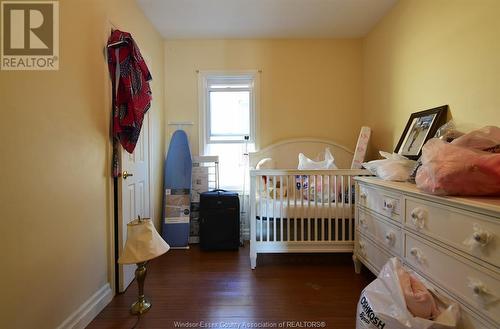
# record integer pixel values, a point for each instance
(88, 310)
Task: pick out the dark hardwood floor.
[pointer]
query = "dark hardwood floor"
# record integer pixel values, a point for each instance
(220, 289)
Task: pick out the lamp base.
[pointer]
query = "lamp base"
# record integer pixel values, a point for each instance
(140, 307)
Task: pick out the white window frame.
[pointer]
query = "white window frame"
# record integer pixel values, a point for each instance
(204, 107)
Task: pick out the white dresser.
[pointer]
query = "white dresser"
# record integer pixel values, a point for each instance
(452, 242)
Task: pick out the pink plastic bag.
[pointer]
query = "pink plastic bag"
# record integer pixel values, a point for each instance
(449, 169)
(486, 138)
(419, 300)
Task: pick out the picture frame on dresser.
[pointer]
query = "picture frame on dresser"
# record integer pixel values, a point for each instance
(421, 126)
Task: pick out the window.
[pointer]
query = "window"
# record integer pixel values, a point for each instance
(227, 127)
(229, 108)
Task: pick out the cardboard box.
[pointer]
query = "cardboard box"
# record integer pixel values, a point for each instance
(199, 182)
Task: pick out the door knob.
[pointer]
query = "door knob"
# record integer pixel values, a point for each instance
(126, 174)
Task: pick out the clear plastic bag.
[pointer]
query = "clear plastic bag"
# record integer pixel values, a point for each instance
(382, 304)
(448, 132)
(394, 167)
(449, 169)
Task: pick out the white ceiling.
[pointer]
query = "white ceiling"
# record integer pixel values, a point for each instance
(264, 18)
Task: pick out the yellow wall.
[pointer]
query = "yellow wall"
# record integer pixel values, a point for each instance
(54, 200)
(427, 53)
(308, 87)
(55, 182)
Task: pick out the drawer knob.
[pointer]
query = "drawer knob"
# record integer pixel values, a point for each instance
(479, 289)
(390, 237)
(481, 292)
(417, 253)
(480, 238)
(362, 195)
(418, 216)
(390, 205)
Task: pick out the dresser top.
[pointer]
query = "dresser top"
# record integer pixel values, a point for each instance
(490, 204)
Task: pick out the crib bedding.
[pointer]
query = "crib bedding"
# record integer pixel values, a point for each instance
(302, 209)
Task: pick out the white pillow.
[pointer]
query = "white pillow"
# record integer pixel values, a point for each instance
(266, 163)
(307, 164)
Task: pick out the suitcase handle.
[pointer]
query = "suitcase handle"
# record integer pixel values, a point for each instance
(219, 190)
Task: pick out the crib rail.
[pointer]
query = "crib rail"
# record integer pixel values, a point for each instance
(302, 210)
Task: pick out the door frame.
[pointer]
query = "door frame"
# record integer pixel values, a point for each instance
(112, 232)
(112, 184)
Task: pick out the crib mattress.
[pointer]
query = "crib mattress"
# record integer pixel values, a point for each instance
(271, 208)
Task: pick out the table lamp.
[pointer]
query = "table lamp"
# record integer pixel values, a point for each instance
(143, 244)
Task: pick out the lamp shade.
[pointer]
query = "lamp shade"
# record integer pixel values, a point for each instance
(143, 242)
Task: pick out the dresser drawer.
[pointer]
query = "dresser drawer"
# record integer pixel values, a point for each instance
(468, 318)
(388, 235)
(370, 253)
(381, 201)
(472, 233)
(474, 284)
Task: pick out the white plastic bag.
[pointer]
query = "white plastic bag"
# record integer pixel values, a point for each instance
(394, 167)
(307, 164)
(312, 190)
(382, 305)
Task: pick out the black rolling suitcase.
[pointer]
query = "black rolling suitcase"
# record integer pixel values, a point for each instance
(219, 220)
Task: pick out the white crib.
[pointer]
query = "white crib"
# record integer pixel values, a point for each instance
(306, 211)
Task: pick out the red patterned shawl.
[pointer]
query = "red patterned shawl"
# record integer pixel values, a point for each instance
(131, 92)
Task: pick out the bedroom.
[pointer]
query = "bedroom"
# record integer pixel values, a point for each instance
(55, 126)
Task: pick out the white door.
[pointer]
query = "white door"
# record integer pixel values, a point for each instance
(133, 196)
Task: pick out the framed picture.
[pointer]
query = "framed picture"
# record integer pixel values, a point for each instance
(420, 127)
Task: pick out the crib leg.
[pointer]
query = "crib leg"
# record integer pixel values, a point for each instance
(253, 261)
(357, 264)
